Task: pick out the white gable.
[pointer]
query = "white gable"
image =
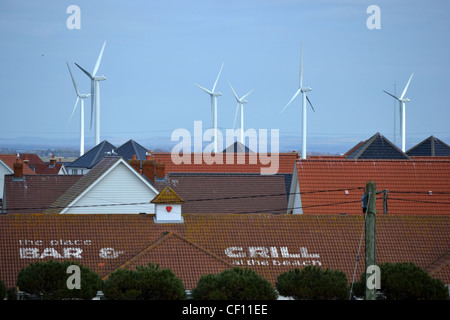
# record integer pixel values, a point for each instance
(4, 169)
(295, 200)
(119, 190)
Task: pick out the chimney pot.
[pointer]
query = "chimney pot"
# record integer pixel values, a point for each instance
(18, 169)
(52, 161)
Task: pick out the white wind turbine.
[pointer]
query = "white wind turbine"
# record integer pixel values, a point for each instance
(240, 104)
(303, 90)
(402, 106)
(95, 92)
(213, 96)
(80, 96)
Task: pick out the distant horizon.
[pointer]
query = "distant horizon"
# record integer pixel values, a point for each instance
(317, 145)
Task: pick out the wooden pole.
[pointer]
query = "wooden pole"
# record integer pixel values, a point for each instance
(371, 190)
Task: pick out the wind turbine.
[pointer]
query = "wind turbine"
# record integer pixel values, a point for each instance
(402, 106)
(213, 96)
(80, 96)
(303, 90)
(240, 104)
(95, 92)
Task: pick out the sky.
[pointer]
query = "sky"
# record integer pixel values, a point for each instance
(157, 50)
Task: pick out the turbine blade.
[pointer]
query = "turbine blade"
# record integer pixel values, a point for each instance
(406, 88)
(88, 74)
(234, 92)
(204, 89)
(73, 80)
(391, 95)
(295, 95)
(73, 111)
(97, 64)
(245, 96)
(310, 104)
(301, 66)
(217, 79)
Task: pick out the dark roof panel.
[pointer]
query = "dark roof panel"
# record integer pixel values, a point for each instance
(132, 148)
(93, 156)
(430, 147)
(377, 147)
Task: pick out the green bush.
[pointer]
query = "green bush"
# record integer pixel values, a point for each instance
(404, 281)
(145, 283)
(313, 283)
(2, 290)
(49, 281)
(234, 284)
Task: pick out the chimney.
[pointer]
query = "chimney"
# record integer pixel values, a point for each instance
(18, 169)
(148, 169)
(26, 161)
(135, 164)
(160, 170)
(52, 161)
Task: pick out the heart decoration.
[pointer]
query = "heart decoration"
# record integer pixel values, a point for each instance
(169, 208)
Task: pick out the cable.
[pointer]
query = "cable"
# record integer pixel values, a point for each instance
(420, 201)
(197, 200)
(419, 192)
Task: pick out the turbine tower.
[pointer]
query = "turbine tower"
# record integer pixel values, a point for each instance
(95, 93)
(402, 106)
(213, 96)
(80, 96)
(303, 90)
(240, 104)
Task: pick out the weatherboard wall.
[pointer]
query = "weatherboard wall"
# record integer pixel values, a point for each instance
(120, 191)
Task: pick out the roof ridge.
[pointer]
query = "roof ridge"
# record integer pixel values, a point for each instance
(166, 236)
(438, 264)
(81, 185)
(366, 144)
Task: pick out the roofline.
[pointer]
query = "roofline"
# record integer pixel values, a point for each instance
(119, 160)
(6, 166)
(433, 140)
(159, 242)
(368, 142)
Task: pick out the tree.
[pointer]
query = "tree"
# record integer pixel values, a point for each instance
(234, 284)
(405, 281)
(313, 283)
(49, 279)
(2, 290)
(144, 283)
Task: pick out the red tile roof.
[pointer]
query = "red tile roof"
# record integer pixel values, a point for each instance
(269, 244)
(415, 187)
(222, 193)
(286, 163)
(10, 159)
(35, 193)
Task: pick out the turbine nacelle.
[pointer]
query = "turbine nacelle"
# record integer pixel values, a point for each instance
(306, 89)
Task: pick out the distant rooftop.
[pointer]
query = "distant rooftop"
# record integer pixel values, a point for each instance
(431, 146)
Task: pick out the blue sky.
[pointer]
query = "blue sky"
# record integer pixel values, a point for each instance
(156, 51)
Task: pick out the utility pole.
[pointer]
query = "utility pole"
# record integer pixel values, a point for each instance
(371, 191)
(385, 201)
